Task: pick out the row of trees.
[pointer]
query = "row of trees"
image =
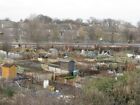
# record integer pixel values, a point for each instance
(43, 29)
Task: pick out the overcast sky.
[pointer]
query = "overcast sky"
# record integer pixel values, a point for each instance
(128, 10)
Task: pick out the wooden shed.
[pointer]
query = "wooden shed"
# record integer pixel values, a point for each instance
(68, 65)
(9, 71)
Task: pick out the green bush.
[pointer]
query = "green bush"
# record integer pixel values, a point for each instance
(123, 91)
(8, 92)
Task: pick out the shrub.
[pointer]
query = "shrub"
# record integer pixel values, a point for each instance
(8, 91)
(124, 91)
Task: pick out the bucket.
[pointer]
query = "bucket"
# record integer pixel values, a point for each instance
(45, 83)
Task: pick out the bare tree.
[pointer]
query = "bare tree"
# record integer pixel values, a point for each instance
(33, 30)
(112, 27)
(6, 46)
(6, 42)
(16, 32)
(91, 33)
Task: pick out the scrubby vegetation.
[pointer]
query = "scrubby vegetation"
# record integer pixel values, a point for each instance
(108, 91)
(98, 91)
